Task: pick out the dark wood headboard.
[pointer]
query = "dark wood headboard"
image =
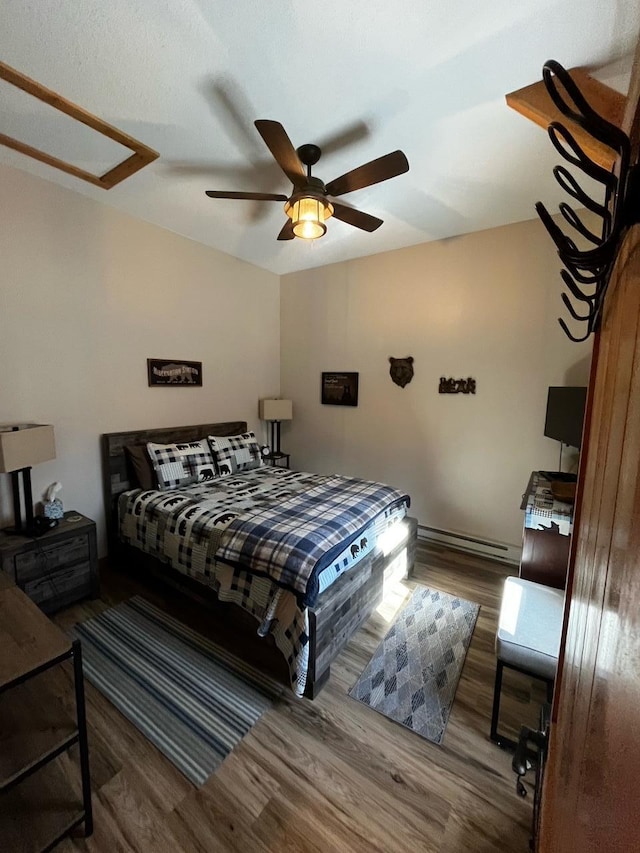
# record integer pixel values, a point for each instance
(116, 475)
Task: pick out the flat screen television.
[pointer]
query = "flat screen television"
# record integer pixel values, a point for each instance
(565, 414)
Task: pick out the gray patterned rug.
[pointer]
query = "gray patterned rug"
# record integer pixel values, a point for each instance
(413, 676)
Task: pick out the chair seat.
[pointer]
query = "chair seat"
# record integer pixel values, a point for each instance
(529, 628)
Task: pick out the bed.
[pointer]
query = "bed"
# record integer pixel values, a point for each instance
(216, 534)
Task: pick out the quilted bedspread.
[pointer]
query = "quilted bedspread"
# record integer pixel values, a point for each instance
(284, 525)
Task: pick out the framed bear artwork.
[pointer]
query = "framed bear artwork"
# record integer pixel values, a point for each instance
(339, 389)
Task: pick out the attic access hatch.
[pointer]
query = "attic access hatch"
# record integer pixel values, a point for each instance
(141, 157)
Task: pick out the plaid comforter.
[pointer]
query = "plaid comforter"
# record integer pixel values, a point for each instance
(285, 525)
(212, 533)
(294, 539)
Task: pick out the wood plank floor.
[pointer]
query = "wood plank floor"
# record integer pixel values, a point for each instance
(329, 775)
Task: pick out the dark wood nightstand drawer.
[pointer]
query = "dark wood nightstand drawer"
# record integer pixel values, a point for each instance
(64, 558)
(39, 561)
(59, 588)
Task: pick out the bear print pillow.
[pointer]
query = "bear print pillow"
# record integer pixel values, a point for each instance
(181, 463)
(235, 453)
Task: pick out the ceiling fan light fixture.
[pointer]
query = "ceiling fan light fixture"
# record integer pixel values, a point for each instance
(308, 214)
(309, 207)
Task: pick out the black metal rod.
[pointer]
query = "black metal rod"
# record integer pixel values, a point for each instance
(82, 737)
(553, 230)
(275, 436)
(36, 670)
(567, 147)
(575, 290)
(62, 835)
(571, 337)
(579, 317)
(574, 220)
(54, 753)
(497, 689)
(569, 184)
(585, 116)
(28, 498)
(590, 267)
(589, 278)
(15, 488)
(615, 187)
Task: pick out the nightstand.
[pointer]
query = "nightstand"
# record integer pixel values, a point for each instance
(57, 568)
(277, 460)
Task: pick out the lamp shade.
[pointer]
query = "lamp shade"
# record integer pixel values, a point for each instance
(25, 446)
(276, 410)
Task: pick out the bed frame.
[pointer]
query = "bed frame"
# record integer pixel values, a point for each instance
(340, 609)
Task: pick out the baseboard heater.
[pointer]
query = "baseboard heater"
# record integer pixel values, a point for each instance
(486, 547)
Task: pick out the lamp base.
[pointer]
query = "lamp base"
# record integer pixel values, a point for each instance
(275, 436)
(39, 525)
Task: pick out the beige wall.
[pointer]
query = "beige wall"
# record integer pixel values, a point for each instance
(87, 294)
(482, 305)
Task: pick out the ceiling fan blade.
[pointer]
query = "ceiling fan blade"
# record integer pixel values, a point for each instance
(373, 172)
(356, 217)
(277, 141)
(250, 196)
(287, 231)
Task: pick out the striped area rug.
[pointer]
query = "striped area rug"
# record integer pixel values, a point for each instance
(188, 696)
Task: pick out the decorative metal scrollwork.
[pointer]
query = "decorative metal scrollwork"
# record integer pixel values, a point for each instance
(588, 271)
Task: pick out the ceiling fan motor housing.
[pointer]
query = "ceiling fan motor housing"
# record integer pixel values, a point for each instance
(309, 154)
(312, 186)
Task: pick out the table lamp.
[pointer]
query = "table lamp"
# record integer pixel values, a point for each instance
(275, 411)
(21, 447)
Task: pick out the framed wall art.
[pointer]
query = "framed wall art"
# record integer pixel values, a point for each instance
(162, 371)
(339, 389)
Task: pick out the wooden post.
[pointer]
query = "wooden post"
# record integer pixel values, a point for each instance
(590, 798)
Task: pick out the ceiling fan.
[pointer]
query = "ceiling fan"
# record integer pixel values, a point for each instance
(309, 206)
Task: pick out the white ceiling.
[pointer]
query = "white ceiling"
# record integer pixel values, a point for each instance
(188, 77)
